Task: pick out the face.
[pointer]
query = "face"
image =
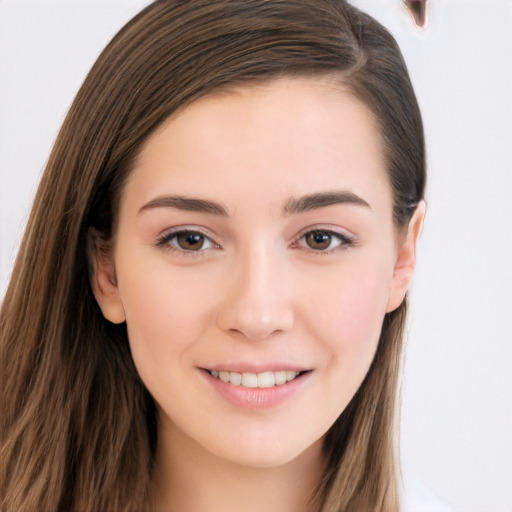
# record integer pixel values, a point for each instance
(254, 261)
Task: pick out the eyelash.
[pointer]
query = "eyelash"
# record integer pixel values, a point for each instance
(166, 241)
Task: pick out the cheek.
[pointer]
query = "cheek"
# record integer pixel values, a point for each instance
(362, 307)
(349, 315)
(345, 322)
(166, 311)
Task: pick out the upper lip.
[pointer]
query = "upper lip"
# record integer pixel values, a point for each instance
(252, 367)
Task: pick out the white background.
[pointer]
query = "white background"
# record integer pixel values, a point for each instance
(457, 400)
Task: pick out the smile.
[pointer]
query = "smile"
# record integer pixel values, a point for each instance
(255, 380)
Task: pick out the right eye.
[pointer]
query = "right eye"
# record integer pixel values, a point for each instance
(323, 241)
(187, 240)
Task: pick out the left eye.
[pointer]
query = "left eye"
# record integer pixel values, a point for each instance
(189, 241)
(323, 240)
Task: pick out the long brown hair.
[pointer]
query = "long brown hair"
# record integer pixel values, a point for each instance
(78, 426)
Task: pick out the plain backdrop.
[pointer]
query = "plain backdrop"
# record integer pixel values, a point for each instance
(457, 399)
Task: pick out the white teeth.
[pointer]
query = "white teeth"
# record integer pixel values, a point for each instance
(266, 380)
(280, 378)
(255, 380)
(291, 375)
(249, 380)
(235, 378)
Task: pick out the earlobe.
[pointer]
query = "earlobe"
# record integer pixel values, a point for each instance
(103, 280)
(406, 259)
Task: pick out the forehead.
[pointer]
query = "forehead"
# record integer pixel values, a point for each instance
(302, 134)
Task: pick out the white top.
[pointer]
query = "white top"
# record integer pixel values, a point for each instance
(417, 498)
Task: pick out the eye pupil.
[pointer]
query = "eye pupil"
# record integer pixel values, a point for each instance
(318, 240)
(190, 241)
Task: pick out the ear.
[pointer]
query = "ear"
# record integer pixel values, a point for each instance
(406, 259)
(103, 278)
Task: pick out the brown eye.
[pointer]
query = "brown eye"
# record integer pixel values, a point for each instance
(318, 240)
(190, 241)
(187, 241)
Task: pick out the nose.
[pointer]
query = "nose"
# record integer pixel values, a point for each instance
(258, 301)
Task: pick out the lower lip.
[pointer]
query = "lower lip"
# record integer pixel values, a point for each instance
(256, 398)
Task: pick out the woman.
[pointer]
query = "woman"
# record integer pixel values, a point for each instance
(207, 309)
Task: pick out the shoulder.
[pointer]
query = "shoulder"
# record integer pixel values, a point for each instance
(417, 498)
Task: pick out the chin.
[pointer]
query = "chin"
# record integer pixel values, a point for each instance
(268, 453)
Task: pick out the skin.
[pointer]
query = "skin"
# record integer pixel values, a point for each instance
(254, 290)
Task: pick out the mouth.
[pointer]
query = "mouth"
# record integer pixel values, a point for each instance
(257, 389)
(250, 380)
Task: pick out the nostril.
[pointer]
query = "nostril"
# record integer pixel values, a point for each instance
(253, 332)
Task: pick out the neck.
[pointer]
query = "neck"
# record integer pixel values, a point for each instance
(189, 478)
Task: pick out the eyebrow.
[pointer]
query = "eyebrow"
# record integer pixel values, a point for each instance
(293, 206)
(321, 200)
(187, 204)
